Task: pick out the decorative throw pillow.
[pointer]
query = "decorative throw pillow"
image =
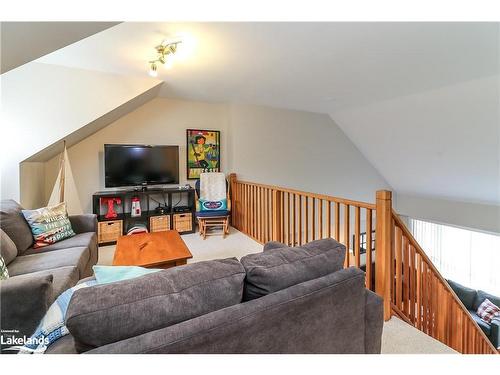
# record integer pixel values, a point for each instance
(487, 311)
(219, 205)
(49, 224)
(4, 273)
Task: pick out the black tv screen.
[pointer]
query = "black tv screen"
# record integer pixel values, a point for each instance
(133, 165)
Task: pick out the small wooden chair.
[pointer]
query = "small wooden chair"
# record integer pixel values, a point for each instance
(210, 219)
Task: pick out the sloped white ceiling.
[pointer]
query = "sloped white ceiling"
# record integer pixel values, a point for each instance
(23, 42)
(43, 104)
(420, 100)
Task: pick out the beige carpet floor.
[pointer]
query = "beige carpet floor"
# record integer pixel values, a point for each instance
(397, 338)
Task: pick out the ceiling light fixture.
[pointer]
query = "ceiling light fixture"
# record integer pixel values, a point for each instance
(165, 53)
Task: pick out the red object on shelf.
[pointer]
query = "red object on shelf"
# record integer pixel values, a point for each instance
(111, 214)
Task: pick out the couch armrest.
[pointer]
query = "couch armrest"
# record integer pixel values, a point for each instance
(374, 321)
(83, 223)
(25, 300)
(495, 332)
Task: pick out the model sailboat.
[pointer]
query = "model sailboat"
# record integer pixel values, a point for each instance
(65, 188)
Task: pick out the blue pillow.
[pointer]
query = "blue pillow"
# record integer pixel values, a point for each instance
(219, 205)
(111, 274)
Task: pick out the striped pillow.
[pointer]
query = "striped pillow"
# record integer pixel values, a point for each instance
(488, 310)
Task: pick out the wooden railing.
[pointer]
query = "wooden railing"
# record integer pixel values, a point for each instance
(424, 299)
(272, 213)
(398, 270)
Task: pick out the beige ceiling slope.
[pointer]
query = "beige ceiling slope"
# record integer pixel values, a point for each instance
(43, 104)
(22, 42)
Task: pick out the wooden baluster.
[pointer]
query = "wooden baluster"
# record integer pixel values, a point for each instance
(399, 261)
(306, 213)
(369, 249)
(277, 215)
(405, 275)
(419, 292)
(313, 220)
(357, 236)
(269, 215)
(337, 221)
(412, 284)
(424, 298)
(251, 213)
(294, 225)
(259, 214)
(320, 218)
(347, 222)
(300, 220)
(435, 309)
(289, 218)
(329, 219)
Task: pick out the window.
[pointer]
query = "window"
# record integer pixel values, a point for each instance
(467, 257)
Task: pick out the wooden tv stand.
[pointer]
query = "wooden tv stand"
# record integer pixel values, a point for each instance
(109, 229)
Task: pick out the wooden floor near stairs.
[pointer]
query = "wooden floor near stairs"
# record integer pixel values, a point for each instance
(398, 337)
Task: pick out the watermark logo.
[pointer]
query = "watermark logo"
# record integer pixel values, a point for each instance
(22, 344)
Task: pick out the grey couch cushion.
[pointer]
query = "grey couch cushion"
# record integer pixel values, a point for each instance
(79, 240)
(8, 248)
(271, 245)
(270, 271)
(63, 279)
(466, 295)
(480, 297)
(324, 315)
(107, 313)
(13, 223)
(24, 302)
(75, 256)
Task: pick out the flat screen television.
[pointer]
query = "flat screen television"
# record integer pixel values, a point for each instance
(134, 165)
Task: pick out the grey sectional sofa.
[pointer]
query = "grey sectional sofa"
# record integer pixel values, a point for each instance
(39, 276)
(283, 300)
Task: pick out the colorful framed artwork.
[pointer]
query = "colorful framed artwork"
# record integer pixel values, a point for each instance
(202, 152)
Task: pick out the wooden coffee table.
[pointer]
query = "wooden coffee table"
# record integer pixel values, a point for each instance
(151, 250)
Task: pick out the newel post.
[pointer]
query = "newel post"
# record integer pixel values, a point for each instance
(277, 196)
(383, 249)
(232, 197)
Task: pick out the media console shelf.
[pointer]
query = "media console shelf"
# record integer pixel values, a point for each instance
(178, 211)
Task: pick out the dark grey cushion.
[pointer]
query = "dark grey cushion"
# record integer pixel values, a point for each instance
(79, 240)
(8, 248)
(324, 315)
(107, 313)
(83, 223)
(466, 295)
(273, 245)
(480, 297)
(63, 279)
(24, 302)
(270, 271)
(74, 256)
(13, 223)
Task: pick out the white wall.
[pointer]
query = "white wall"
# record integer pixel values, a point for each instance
(301, 150)
(160, 121)
(43, 103)
(471, 215)
(442, 143)
(290, 148)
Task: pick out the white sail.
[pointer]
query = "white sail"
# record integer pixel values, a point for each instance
(65, 188)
